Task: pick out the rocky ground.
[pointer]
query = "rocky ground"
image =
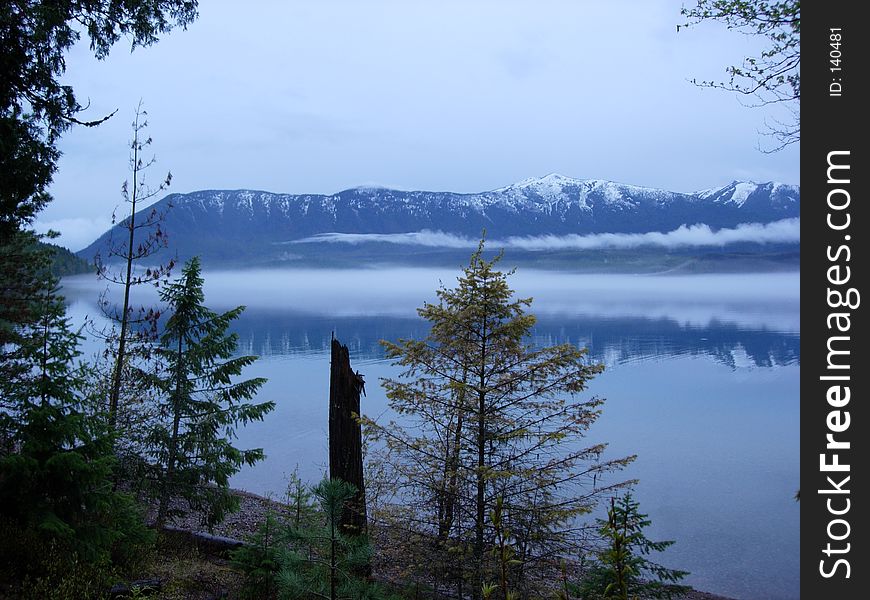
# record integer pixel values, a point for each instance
(253, 510)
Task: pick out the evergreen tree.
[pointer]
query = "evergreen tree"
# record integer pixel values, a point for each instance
(35, 106)
(55, 469)
(192, 449)
(64, 262)
(23, 263)
(484, 416)
(300, 501)
(55, 457)
(622, 570)
(258, 559)
(319, 559)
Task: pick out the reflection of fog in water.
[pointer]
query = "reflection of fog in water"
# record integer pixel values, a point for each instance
(613, 341)
(740, 320)
(702, 383)
(768, 299)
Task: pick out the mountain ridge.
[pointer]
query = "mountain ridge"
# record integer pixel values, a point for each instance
(220, 224)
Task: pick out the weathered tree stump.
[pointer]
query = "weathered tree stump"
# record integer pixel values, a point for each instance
(345, 435)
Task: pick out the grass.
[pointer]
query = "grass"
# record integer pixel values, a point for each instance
(188, 573)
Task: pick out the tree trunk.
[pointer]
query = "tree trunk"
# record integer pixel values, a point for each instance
(115, 392)
(167, 487)
(480, 513)
(451, 469)
(345, 436)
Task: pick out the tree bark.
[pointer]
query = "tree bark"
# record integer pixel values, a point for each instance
(345, 436)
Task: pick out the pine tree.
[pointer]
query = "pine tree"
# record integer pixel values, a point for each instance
(622, 570)
(258, 559)
(203, 404)
(300, 501)
(320, 560)
(484, 415)
(36, 107)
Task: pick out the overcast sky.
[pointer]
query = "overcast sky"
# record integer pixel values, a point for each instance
(316, 96)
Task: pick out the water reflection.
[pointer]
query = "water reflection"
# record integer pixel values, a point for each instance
(745, 320)
(610, 340)
(736, 319)
(704, 388)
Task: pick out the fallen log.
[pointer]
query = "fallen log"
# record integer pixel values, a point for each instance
(212, 545)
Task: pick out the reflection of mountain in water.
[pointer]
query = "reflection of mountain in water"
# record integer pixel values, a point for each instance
(610, 340)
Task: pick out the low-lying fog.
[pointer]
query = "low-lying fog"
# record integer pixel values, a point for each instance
(764, 300)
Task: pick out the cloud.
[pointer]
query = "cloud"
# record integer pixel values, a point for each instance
(433, 239)
(75, 232)
(784, 231)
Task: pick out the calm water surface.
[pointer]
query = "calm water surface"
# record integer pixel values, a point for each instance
(701, 383)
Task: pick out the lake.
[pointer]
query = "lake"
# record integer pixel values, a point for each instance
(701, 381)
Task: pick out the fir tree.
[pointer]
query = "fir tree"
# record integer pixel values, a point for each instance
(23, 264)
(300, 501)
(55, 473)
(622, 570)
(203, 404)
(487, 416)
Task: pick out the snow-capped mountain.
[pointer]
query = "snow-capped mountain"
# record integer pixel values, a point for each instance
(219, 223)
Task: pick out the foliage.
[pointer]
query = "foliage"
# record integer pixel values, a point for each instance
(23, 266)
(64, 262)
(622, 570)
(56, 466)
(300, 502)
(35, 107)
(56, 458)
(320, 560)
(483, 416)
(774, 75)
(258, 559)
(26, 263)
(503, 552)
(53, 447)
(33, 567)
(202, 404)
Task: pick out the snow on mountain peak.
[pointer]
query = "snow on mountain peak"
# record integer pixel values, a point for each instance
(555, 183)
(742, 191)
(552, 194)
(549, 205)
(547, 182)
(736, 192)
(371, 188)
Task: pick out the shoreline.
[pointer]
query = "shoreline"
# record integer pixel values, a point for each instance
(253, 509)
